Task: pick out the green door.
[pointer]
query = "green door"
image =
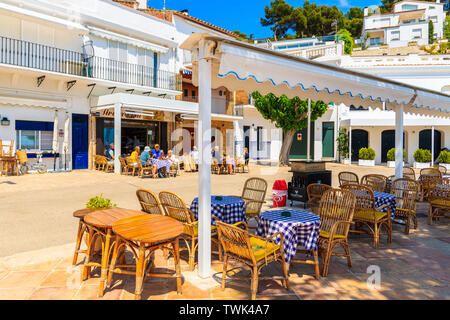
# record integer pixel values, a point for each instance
(328, 139)
(299, 144)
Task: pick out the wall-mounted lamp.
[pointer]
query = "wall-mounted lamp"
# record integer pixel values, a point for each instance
(5, 121)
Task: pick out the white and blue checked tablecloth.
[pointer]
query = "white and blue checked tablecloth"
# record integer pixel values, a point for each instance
(382, 198)
(162, 163)
(230, 210)
(300, 229)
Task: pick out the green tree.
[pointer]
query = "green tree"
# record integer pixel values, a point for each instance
(243, 37)
(343, 143)
(386, 5)
(447, 28)
(279, 16)
(430, 32)
(348, 40)
(290, 115)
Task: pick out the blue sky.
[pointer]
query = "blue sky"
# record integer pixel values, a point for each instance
(244, 15)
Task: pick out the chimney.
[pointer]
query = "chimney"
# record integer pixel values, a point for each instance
(142, 4)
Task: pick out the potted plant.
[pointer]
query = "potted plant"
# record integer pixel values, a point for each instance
(444, 159)
(422, 159)
(391, 158)
(366, 157)
(94, 204)
(343, 146)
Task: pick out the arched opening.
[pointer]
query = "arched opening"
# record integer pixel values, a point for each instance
(360, 139)
(388, 142)
(425, 141)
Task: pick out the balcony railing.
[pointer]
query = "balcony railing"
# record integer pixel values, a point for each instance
(31, 55)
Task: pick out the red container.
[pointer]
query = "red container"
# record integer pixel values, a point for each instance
(279, 192)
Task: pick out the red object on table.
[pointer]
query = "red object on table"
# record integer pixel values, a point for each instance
(279, 192)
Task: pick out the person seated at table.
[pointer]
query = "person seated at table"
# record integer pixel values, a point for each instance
(215, 155)
(135, 156)
(145, 157)
(157, 152)
(189, 163)
(173, 160)
(194, 154)
(109, 153)
(230, 163)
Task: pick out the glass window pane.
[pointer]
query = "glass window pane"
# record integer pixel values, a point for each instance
(46, 140)
(28, 139)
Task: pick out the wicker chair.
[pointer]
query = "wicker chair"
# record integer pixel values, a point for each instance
(255, 252)
(254, 194)
(348, 178)
(175, 208)
(409, 173)
(215, 168)
(441, 168)
(366, 213)
(143, 171)
(336, 213)
(375, 182)
(132, 167)
(405, 192)
(149, 202)
(439, 200)
(124, 167)
(428, 179)
(315, 192)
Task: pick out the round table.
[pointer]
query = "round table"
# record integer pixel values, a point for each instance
(82, 228)
(100, 224)
(227, 209)
(145, 234)
(382, 198)
(301, 228)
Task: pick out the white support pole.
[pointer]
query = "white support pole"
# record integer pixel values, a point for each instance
(204, 176)
(399, 142)
(350, 143)
(117, 136)
(308, 139)
(432, 145)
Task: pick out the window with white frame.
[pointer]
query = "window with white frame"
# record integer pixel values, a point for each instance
(434, 19)
(34, 140)
(395, 35)
(409, 7)
(417, 33)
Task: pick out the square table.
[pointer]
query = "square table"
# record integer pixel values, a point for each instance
(227, 209)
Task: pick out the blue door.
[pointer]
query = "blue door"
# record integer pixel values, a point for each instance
(80, 144)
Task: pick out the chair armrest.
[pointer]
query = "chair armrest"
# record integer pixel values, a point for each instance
(385, 206)
(335, 225)
(241, 223)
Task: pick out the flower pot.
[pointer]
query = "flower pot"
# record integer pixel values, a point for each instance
(366, 163)
(391, 164)
(346, 161)
(422, 165)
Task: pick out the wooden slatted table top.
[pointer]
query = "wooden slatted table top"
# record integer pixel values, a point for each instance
(149, 228)
(106, 218)
(82, 212)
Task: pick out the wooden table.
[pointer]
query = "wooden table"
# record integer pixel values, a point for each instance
(100, 224)
(82, 228)
(7, 162)
(145, 234)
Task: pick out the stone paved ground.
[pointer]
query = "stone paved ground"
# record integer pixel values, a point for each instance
(416, 266)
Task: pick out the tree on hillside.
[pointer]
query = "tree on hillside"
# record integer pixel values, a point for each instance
(243, 36)
(279, 16)
(290, 115)
(354, 20)
(386, 5)
(348, 40)
(447, 28)
(430, 32)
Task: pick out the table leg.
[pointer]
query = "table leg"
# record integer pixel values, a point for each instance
(316, 263)
(140, 266)
(89, 255)
(105, 258)
(176, 247)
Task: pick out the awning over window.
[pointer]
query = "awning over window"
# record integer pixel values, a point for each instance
(34, 125)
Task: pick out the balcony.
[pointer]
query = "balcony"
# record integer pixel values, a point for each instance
(31, 55)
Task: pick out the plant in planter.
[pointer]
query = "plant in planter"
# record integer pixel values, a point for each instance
(391, 158)
(422, 159)
(444, 159)
(343, 146)
(98, 202)
(367, 157)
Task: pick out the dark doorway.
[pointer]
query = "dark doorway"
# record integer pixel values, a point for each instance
(247, 138)
(80, 143)
(300, 145)
(388, 142)
(425, 141)
(360, 139)
(328, 139)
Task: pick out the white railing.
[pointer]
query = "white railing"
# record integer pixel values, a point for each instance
(327, 50)
(409, 60)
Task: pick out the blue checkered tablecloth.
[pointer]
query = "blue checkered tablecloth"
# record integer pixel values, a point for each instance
(230, 210)
(162, 163)
(300, 229)
(382, 198)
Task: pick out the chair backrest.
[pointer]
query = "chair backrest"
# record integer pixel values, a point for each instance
(254, 193)
(346, 177)
(6, 148)
(235, 241)
(122, 162)
(409, 173)
(175, 207)
(375, 182)
(405, 192)
(441, 168)
(365, 199)
(315, 191)
(429, 180)
(432, 171)
(441, 193)
(22, 156)
(149, 202)
(337, 205)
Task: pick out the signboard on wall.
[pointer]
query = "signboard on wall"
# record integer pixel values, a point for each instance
(299, 137)
(109, 113)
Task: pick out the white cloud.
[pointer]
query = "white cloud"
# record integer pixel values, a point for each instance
(344, 3)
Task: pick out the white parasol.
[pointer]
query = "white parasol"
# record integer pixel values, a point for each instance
(66, 134)
(55, 133)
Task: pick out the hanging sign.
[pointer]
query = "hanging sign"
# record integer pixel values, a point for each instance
(108, 113)
(299, 137)
(61, 132)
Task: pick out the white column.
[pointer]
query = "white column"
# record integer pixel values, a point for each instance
(399, 142)
(432, 145)
(350, 143)
(308, 139)
(117, 136)
(204, 176)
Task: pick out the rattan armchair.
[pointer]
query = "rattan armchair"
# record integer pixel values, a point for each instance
(439, 200)
(428, 179)
(175, 208)
(405, 192)
(315, 192)
(336, 213)
(442, 169)
(255, 252)
(375, 182)
(348, 178)
(366, 213)
(254, 195)
(124, 167)
(149, 202)
(409, 173)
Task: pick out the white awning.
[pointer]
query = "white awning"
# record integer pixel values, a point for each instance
(33, 102)
(238, 65)
(125, 39)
